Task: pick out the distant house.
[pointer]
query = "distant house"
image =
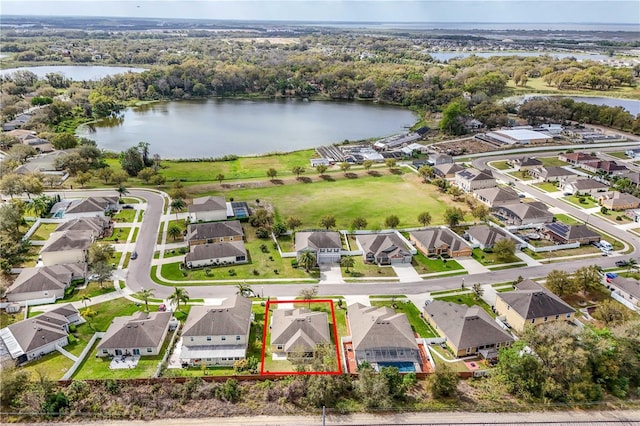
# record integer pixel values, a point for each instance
(320, 162)
(618, 200)
(551, 174)
(208, 209)
(436, 159)
(525, 163)
(486, 236)
(384, 249)
(219, 232)
(523, 213)
(34, 337)
(497, 196)
(19, 121)
(577, 158)
(382, 337)
(606, 167)
(532, 304)
(448, 170)
(468, 330)
(298, 331)
(633, 214)
(45, 282)
(100, 226)
(325, 245)
(66, 247)
(440, 242)
(84, 207)
(216, 254)
(472, 179)
(28, 137)
(567, 234)
(518, 136)
(628, 288)
(142, 333)
(584, 187)
(217, 335)
(633, 153)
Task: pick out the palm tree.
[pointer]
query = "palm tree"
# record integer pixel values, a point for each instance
(307, 259)
(179, 295)
(245, 290)
(146, 294)
(631, 264)
(121, 190)
(347, 262)
(178, 205)
(174, 231)
(38, 206)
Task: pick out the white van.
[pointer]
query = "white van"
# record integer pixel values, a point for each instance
(605, 246)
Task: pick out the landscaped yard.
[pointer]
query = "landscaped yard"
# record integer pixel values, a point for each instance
(43, 231)
(119, 234)
(413, 315)
(617, 217)
(587, 202)
(125, 216)
(620, 154)
(362, 269)
(52, 366)
(31, 257)
(552, 161)
(489, 259)
(428, 265)
(91, 290)
(468, 299)
(364, 196)
(500, 165)
(582, 250)
(521, 175)
(181, 224)
(547, 186)
(569, 220)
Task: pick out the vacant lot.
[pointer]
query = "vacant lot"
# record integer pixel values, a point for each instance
(371, 197)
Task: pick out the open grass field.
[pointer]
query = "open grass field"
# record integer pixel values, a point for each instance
(43, 231)
(365, 196)
(413, 315)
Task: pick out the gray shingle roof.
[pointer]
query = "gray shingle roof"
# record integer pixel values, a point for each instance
(475, 175)
(379, 327)
(206, 204)
(497, 194)
(46, 278)
(487, 235)
(68, 240)
(315, 240)
(466, 327)
(91, 204)
(204, 231)
(96, 224)
(533, 210)
(533, 303)
(448, 168)
(232, 317)
(216, 251)
(383, 245)
(438, 237)
(586, 184)
(571, 232)
(299, 329)
(140, 330)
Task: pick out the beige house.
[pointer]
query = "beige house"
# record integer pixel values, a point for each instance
(325, 245)
(618, 200)
(208, 209)
(214, 232)
(142, 334)
(440, 242)
(84, 207)
(45, 283)
(216, 254)
(66, 247)
(532, 304)
(469, 330)
(384, 249)
(472, 179)
(298, 331)
(497, 196)
(584, 187)
(217, 334)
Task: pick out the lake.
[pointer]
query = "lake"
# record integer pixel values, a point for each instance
(445, 56)
(75, 72)
(631, 105)
(218, 127)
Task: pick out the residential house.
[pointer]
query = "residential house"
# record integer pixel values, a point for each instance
(468, 330)
(577, 158)
(325, 245)
(217, 335)
(45, 283)
(497, 196)
(99, 226)
(436, 159)
(141, 334)
(472, 179)
(523, 213)
(84, 207)
(440, 242)
(584, 186)
(447, 170)
(382, 337)
(297, 332)
(551, 173)
(532, 304)
(567, 234)
(66, 247)
(633, 215)
(486, 236)
(618, 200)
(525, 163)
(216, 254)
(218, 232)
(28, 137)
(605, 167)
(384, 249)
(208, 209)
(37, 336)
(633, 153)
(628, 288)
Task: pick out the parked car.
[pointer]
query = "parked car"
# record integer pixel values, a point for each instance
(134, 255)
(127, 207)
(622, 263)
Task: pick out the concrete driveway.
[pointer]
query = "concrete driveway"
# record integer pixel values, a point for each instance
(472, 266)
(406, 272)
(331, 274)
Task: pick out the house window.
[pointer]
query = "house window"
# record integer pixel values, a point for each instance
(568, 315)
(136, 351)
(191, 338)
(508, 308)
(223, 338)
(557, 316)
(237, 338)
(105, 351)
(209, 241)
(280, 347)
(149, 350)
(533, 320)
(545, 319)
(208, 338)
(208, 359)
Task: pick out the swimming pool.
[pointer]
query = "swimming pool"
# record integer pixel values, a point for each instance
(403, 367)
(59, 214)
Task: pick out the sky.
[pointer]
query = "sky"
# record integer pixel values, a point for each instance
(508, 11)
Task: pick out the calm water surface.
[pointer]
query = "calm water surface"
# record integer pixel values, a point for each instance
(75, 72)
(445, 56)
(631, 105)
(214, 127)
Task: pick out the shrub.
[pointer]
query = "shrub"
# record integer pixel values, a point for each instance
(262, 233)
(232, 272)
(294, 263)
(256, 272)
(618, 218)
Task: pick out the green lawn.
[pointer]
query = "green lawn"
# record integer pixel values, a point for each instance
(552, 161)
(546, 186)
(618, 217)
(43, 231)
(427, 265)
(130, 200)
(537, 85)
(587, 249)
(575, 200)
(521, 175)
(469, 300)
(119, 234)
(31, 258)
(52, 366)
(488, 259)
(362, 269)
(413, 315)
(364, 196)
(341, 322)
(180, 224)
(92, 290)
(125, 216)
(569, 220)
(500, 165)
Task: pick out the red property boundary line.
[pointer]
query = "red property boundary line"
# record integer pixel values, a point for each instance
(297, 373)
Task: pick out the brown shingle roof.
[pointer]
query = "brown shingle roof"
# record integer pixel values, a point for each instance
(204, 231)
(439, 237)
(216, 251)
(46, 278)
